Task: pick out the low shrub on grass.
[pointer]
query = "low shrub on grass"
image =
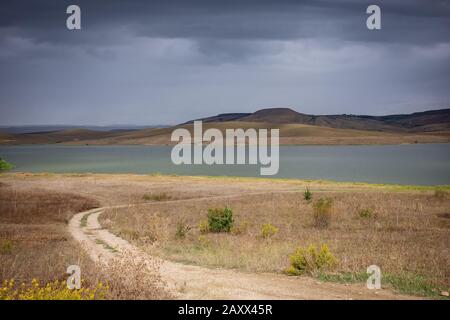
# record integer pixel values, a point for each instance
(5, 165)
(203, 226)
(220, 220)
(311, 260)
(322, 211)
(307, 195)
(6, 247)
(366, 213)
(268, 231)
(182, 230)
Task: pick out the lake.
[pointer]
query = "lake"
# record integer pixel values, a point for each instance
(420, 164)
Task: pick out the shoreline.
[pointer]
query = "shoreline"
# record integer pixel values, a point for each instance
(173, 144)
(293, 181)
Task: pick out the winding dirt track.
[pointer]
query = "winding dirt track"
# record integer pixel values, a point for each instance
(194, 282)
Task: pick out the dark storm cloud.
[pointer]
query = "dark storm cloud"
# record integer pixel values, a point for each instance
(133, 59)
(406, 20)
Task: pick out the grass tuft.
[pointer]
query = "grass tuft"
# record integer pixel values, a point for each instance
(156, 197)
(322, 210)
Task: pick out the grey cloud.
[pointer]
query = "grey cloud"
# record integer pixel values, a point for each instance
(149, 62)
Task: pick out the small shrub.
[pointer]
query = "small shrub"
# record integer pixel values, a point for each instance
(366, 213)
(156, 197)
(132, 275)
(268, 230)
(5, 165)
(240, 228)
(307, 195)
(220, 220)
(6, 247)
(203, 226)
(182, 230)
(322, 210)
(311, 260)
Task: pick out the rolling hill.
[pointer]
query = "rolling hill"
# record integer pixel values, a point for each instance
(435, 120)
(295, 129)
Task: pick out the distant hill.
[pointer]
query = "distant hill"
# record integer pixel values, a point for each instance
(295, 129)
(435, 120)
(53, 128)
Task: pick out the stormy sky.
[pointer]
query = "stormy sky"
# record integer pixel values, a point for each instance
(166, 62)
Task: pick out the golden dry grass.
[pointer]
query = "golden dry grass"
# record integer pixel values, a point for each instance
(408, 233)
(35, 244)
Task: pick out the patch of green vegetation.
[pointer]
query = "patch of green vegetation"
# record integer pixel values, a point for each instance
(105, 245)
(412, 284)
(307, 195)
(409, 284)
(6, 247)
(220, 220)
(83, 221)
(344, 277)
(5, 165)
(366, 213)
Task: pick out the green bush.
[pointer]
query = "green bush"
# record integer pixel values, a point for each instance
(268, 230)
(322, 210)
(366, 213)
(311, 260)
(220, 220)
(307, 195)
(5, 165)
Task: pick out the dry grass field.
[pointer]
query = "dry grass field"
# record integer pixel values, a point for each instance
(406, 234)
(403, 229)
(35, 244)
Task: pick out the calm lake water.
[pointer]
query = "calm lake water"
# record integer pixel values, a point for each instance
(421, 164)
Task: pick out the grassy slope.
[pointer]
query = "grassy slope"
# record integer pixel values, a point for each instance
(290, 134)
